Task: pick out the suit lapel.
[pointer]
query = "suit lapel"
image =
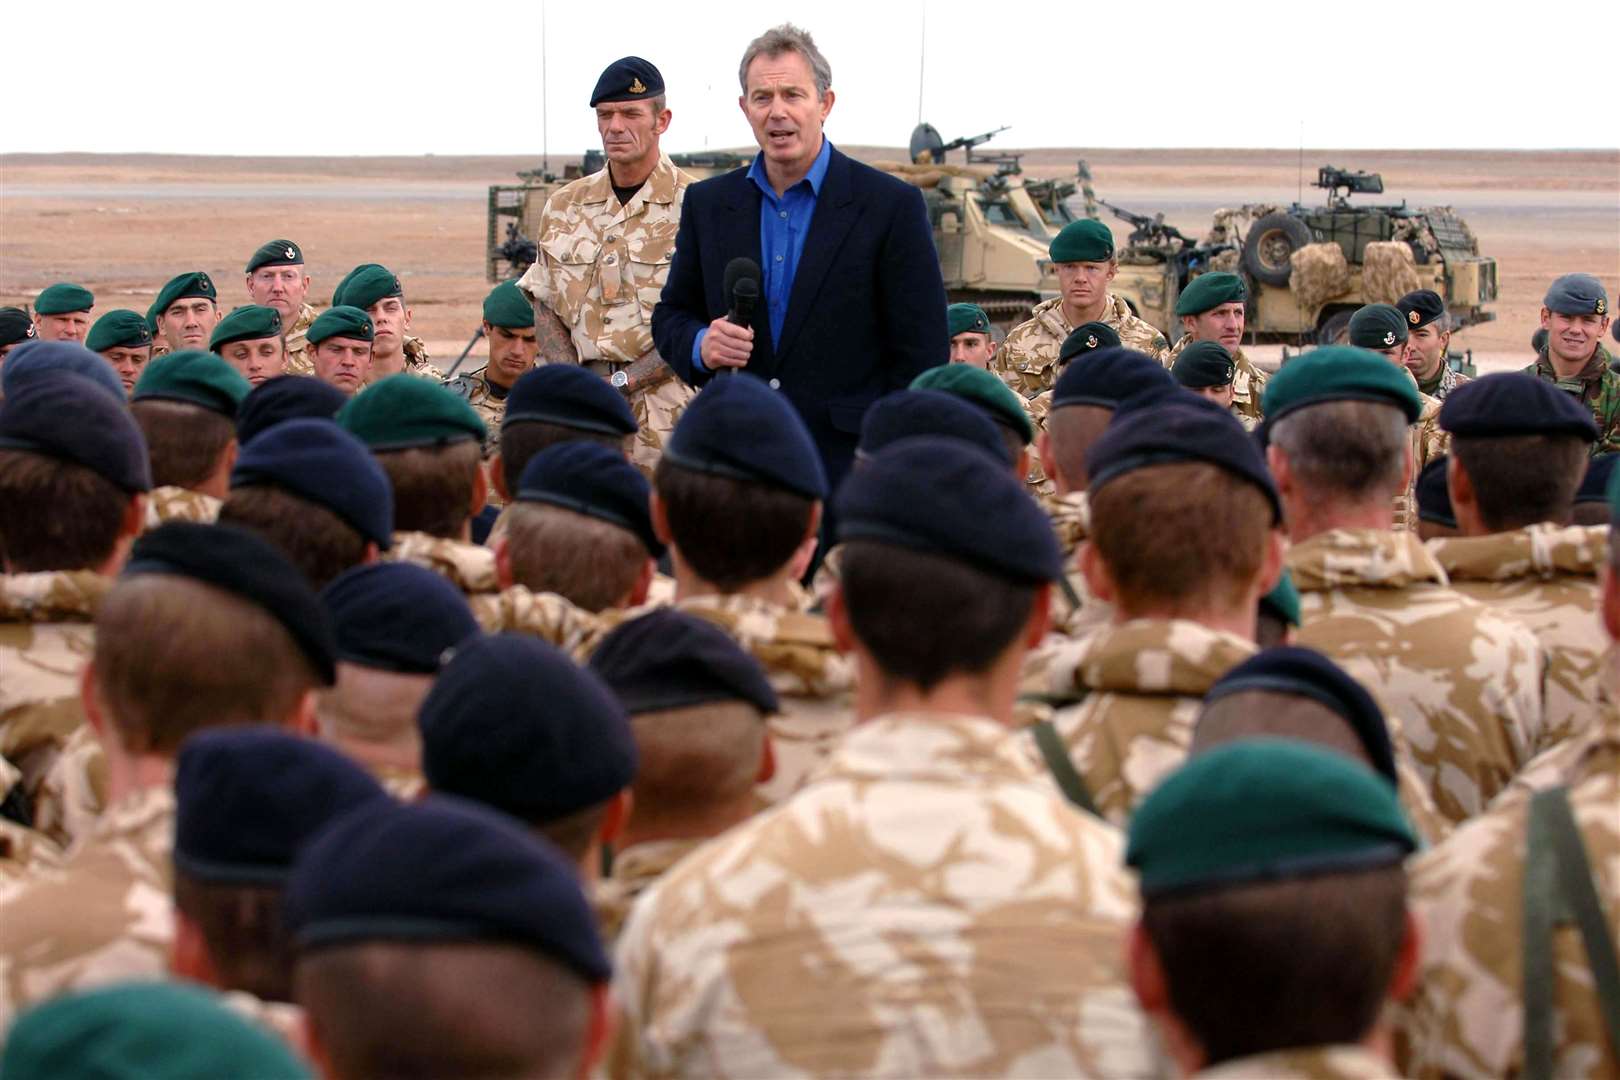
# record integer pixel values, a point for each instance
(836, 212)
(742, 237)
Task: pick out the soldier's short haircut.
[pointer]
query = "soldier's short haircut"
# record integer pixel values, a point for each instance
(315, 539)
(592, 562)
(1071, 431)
(731, 532)
(1352, 450)
(55, 515)
(183, 441)
(1301, 962)
(371, 705)
(573, 833)
(242, 929)
(782, 39)
(925, 617)
(521, 440)
(1267, 714)
(1186, 536)
(174, 655)
(695, 757)
(433, 487)
(418, 1010)
(1522, 480)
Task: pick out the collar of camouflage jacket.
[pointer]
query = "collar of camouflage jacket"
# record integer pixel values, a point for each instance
(149, 808)
(1346, 1062)
(470, 567)
(943, 747)
(306, 319)
(1071, 518)
(1591, 373)
(52, 596)
(1340, 558)
(1050, 313)
(644, 861)
(796, 648)
(1155, 656)
(1540, 551)
(662, 186)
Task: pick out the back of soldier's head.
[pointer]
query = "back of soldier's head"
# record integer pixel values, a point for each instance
(1085, 397)
(186, 404)
(523, 439)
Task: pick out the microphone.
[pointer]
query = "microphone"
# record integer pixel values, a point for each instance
(741, 284)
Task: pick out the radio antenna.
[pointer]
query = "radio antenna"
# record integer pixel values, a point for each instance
(545, 101)
(922, 59)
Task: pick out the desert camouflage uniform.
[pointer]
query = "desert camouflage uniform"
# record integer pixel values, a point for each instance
(169, 503)
(1303, 1063)
(1248, 383)
(416, 360)
(635, 870)
(1429, 441)
(927, 906)
(1546, 577)
(469, 567)
(1461, 682)
(23, 851)
(46, 637)
(487, 400)
(1598, 387)
(1027, 360)
(1444, 382)
(1071, 520)
(104, 915)
(298, 358)
(1466, 1018)
(600, 268)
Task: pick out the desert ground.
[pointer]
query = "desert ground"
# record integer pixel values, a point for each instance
(122, 225)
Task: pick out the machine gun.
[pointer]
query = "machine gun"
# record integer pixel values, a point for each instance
(1330, 179)
(1149, 231)
(519, 251)
(927, 147)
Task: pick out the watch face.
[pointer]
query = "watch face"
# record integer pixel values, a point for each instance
(620, 379)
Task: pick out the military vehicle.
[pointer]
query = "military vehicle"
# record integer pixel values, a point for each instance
(1309, 267)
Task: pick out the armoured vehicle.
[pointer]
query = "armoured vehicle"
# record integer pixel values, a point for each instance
(1310, 267)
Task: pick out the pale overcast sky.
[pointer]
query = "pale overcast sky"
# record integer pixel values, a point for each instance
(341, 77)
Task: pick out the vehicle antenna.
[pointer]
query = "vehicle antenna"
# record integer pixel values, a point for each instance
(545, 101)
(922, 58)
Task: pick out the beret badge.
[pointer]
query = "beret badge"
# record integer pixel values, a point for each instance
(1413, 317)
(636, 87)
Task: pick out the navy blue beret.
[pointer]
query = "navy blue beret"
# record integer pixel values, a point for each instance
(64, 416)
(907, 413)
(629, 78)
(1512, 403)
(1204, 364)
(1577, 294)
(670, 659)
(1434, 494)
(287, 397)
(1189, 428)
(1595, 485)
(396, 616)
(1421, 307)
(1109, 376)
(740, 428)
(319, 461)
(943, 497)
(595, 480)
(248, 798)
(570, 396)
(437, 871)
(1289, 669)
(34, 357)
(514, 723)
(245, 565)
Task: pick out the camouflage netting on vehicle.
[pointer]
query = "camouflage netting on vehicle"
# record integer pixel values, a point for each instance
(1231, 225)
(1319, 274)
(1388, 272)
(1228, 262)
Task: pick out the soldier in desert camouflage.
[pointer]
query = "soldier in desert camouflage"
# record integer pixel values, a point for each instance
(604, 247)
(1574, 315)
(122, 338)
(509, 327)
(186, 405)
(276, 278)
(1381, 328)
(377, 291)
(1212, 308)
(1429, 342)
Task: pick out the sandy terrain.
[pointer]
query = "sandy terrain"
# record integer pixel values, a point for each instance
(122, 225)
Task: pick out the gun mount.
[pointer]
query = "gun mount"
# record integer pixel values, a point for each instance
(1330, 180)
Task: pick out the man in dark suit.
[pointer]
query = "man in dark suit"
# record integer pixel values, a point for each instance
(852, 305)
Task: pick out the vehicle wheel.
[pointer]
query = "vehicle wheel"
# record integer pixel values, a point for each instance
(1335, 329)
(1270, 241)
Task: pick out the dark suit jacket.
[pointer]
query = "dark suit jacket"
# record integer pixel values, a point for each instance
(866, 313)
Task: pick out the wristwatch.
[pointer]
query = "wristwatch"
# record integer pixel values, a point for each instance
(618, 380)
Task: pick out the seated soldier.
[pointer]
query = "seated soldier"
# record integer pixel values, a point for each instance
(1592, 497)
(553, 404)
(314, 491)
(122, 338)
(393, 623)
(186, 311)
(969, 330)
(1274, 924)
(250, 339)
(988, 393)
(186, 406)
(1206, 368)
(207, 626)
(62, 312)
(1436, 519)
(340, 348)
(698, 706)
(286, 397)
(377, 291)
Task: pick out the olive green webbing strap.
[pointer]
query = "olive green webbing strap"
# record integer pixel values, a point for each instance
(1068, 778)
(1558, 889)
(1068, 592)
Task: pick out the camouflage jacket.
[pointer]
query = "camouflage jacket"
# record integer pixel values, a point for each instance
(104, 915)
(1075, 611)
(1598, 387)
(46, 637)
(487, 400)
(23, 851)
(1143, 681)
(1027, 360)
(1460, 682)
(1466, 1018)
(469, 567)
(1545, 577)
(416, 360)
(635, 870)
(1429, 441)
(1248, 382)
(1444, 382)
(1303, 1063)
(925, 898)
(298, 358)
(168, 503)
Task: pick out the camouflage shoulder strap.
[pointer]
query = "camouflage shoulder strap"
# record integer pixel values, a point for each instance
(1558, 889)
(1067, 777)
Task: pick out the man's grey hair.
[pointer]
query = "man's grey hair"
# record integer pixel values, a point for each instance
(1349, 450)
(787, 38)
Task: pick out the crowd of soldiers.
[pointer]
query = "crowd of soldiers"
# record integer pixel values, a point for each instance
(1146, 714)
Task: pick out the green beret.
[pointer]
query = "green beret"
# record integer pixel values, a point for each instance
(195, 283)
(979, 387)
(966, 319)
(1283, 600)
(1378, 326)
(1203, 364)
(145, 1031)
(1085, 338)
(1577, 294)
(1338, 373)
(1211, 291)
(62, 298)
(405, 411)
(340, 321)
(1264, 810)
(368, 283)
(1086, 240)
(276, 253)
(507, 306)
(195, 377)
(120, 328)
(246, 323)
